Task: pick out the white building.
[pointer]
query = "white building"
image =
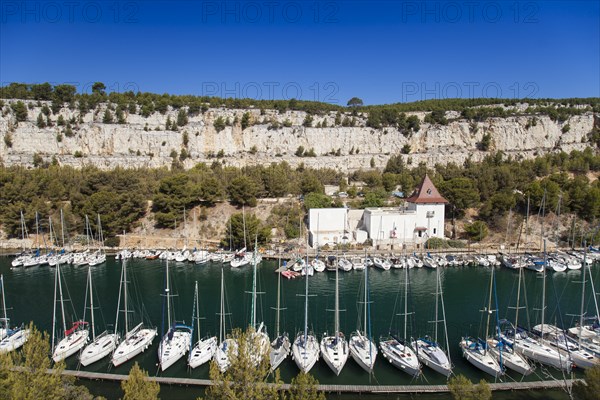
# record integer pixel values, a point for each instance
(420, 218)
(328, 226)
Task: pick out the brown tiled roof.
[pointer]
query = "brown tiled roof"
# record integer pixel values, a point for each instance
(426, 193)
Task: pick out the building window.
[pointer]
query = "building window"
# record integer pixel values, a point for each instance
(420, 233)
(434, 231)
(430, 214)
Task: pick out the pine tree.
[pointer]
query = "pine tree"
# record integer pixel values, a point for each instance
(305, 387)
(182, 117)
(20, 111)
(41, 123)
(244, 379)
(138, 387)
(108, 118)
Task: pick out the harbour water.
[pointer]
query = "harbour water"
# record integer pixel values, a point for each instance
(29, 294)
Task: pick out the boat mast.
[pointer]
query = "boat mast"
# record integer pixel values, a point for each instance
(125, 295)
(50, 229)
(91, 303)
(368, 314)
(87, 230)
(582, 296)
(337, 305)
(278, 297)
(62, 228)
(544, 290)
(197, 308)
(222, 314)
(444, 317)
(366, 301)
(54, 306)
(527, 222)
(22, 232)
(168, 297)
(244, 224)
(4, 303)
(518, 300)
(253, 311)
(437, 284)
(62, 306)
(305, 303)
(405, 300)
(593, 292)
(37, 230)
(119, 302)
(489, 309)
(100, 234)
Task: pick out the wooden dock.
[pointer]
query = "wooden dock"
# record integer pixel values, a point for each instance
(372, 389)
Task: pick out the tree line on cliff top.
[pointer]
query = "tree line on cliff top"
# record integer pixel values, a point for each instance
(145, 104)
(121, 196)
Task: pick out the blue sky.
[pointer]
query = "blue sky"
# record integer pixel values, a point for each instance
(380, 51)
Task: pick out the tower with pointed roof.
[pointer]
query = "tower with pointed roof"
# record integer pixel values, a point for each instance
(429, 206)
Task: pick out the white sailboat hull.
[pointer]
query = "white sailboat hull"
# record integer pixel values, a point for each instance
(318, 265)
(540, 352)
(133, 345)
(14, 341)
(202, 352)
(305, 352)
(103, 346)
(400, 356)
(481, 359)
(510, 359)
(228, 348)
(70, 345)
(335, 352)
(280, 348)
(172, 349)
(363, 351)
(433, 357)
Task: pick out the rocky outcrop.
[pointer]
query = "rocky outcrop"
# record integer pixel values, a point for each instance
(144, 142)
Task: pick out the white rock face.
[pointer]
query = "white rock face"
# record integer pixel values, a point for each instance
(144, 142)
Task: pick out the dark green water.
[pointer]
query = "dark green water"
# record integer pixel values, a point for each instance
(29, 294)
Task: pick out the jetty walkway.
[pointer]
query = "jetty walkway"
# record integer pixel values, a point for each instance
(372, 389)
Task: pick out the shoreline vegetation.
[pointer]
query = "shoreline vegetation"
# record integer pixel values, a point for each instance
(488, 201)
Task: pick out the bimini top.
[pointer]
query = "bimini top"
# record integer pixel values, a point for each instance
(426, 193)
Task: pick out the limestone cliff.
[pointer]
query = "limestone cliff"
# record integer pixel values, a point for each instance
(144, 142)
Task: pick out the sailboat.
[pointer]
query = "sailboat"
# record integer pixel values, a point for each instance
(178, 339)
(396, 350)
(503, 351)
(103, 344)
(228, 347)
(476, 351)
(429, 352)
(204, 349)
(10, 338)
(74, 338)
(98, 257)
(305, 349)
(362, 348)
(535, 348)
(280, 347)
(258, 338)
(18, 261)
(558, 338)
(588, 335)
(137, 339)
(335, 348)
(242, 257)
